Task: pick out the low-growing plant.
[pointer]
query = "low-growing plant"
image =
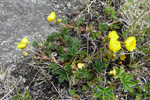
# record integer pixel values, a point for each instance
(86, 54)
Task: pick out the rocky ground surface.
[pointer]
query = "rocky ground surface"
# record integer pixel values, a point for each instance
(25, 18)
(28, 18)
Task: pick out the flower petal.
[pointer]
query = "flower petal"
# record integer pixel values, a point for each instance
(51, 17)
(113, 34)
(130, 43)
(114, 45)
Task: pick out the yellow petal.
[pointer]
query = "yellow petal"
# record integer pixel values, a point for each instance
(130, 43)
(114, 45)
(81, 65)
(113, 72)
(113, 34)
(122, 57)
(21, 45)
(25, 40)
(51, 17)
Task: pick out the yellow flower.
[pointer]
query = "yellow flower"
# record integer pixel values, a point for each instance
(51, 17)
(80, 65)
(130, 43)
(114, 45)
(122, 57)
(113, 72)
(23, 43)
(25, 40)
(113, 34)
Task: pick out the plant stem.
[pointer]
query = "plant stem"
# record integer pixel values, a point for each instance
(130, 59)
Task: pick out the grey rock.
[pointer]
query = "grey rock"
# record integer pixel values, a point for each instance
(28, 18)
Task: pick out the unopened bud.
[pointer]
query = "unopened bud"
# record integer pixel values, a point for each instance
(25, 53)
(58, 20)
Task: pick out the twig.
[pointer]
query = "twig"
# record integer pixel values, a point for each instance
(57, 90)
(10, 90)
(56, 60)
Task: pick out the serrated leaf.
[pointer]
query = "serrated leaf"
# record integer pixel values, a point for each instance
(103, 26)
(117, 70)
(104, 94)
(98, 94)
(130, 83)
(84, 87)
(85, 73)
(72, 92)
(99, 66)
(108, 88)
(105, 98)
(99, 88)
(129, 77)
(121, 70)
(63, 75)
(124, 76)
(76, 42)
(129, 88)
(110, 94)
(124, 87)
(35, 44)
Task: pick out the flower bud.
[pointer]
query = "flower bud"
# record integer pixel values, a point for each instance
(58, 20)
(25, 53)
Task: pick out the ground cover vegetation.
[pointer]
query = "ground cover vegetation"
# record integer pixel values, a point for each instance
(102, 52)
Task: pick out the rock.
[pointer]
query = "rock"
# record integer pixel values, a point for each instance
(28, 18)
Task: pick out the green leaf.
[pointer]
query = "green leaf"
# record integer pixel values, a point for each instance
(84, 73)
(108, 88)
(83, 54)
(52, 37)
(65, 20)
(72, 92)
(53, 67)
(84, 87)
(130, 83)
(98, 94)
(121, 70)
(60, 50)
(124, 76)
(18, 97)
(65, 31)
(110, 94)
(99, 66)
(35, 44)
(13, 98)
(80, 21)
(99, 88)
(63, 75)
(73, 51)
(117, 70)
(129, 77)
(105, 92)
(103, 27)
(100, 79)
(76, 42)
(128, 87)
(63, 57)
(125, 87)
